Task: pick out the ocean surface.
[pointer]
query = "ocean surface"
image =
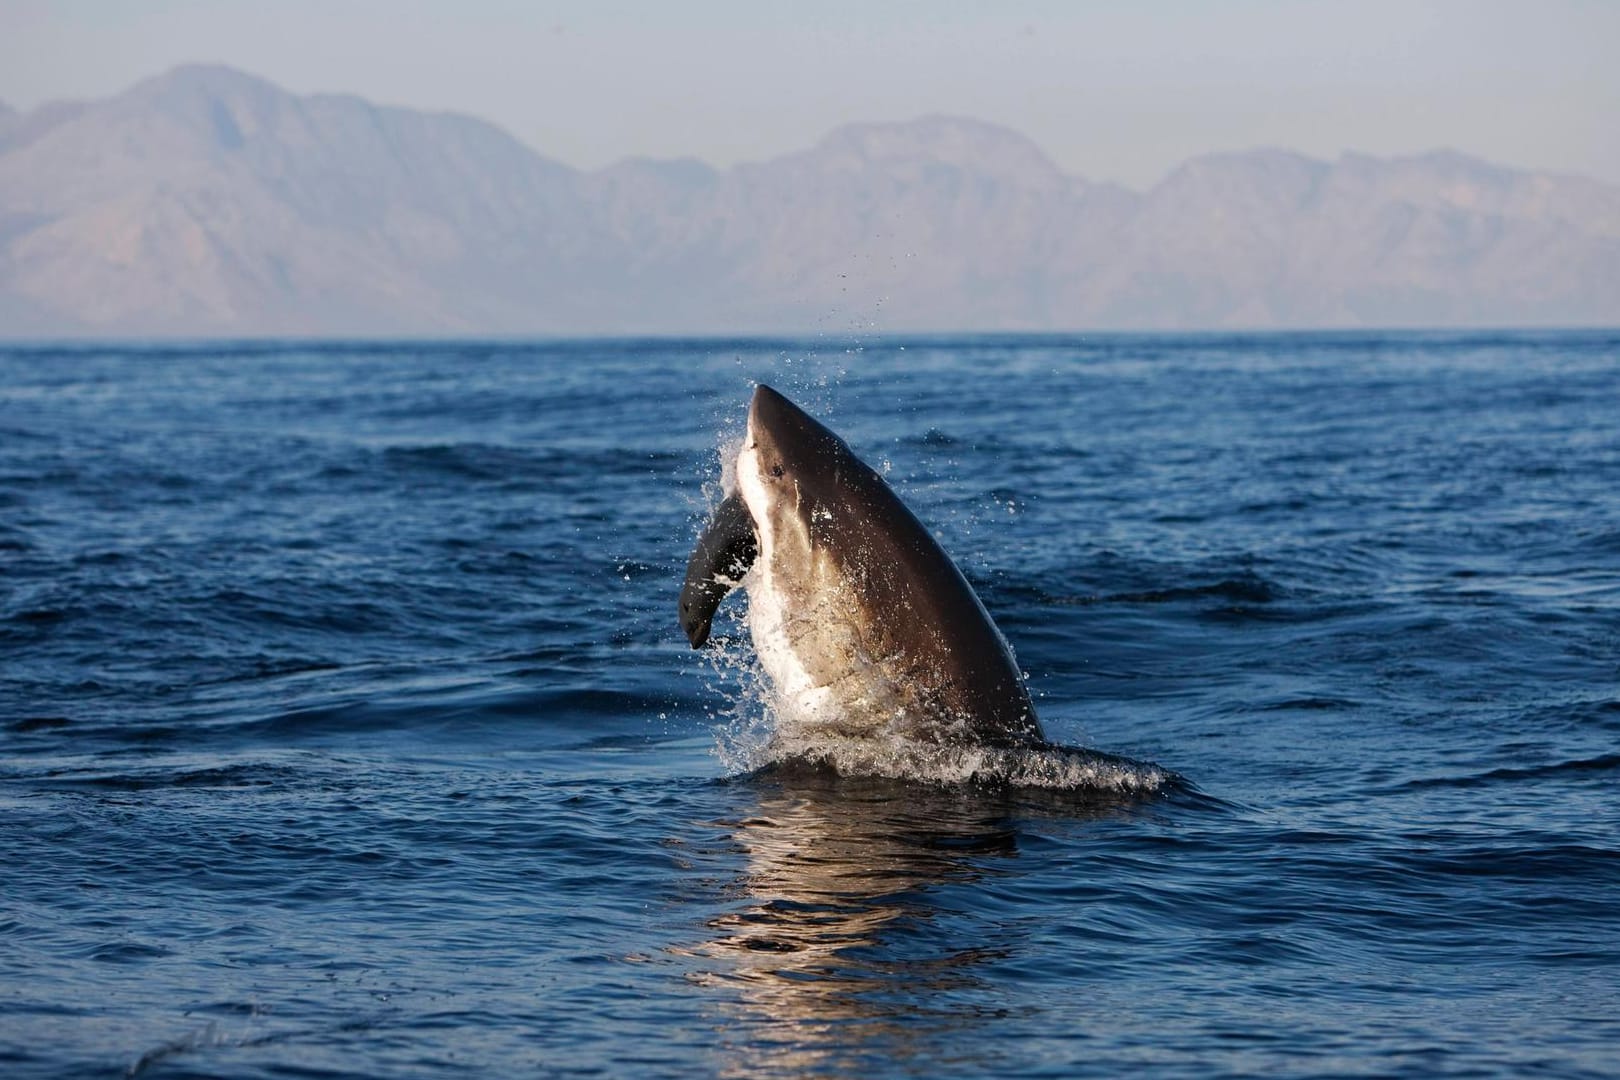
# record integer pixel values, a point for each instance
(346, 727)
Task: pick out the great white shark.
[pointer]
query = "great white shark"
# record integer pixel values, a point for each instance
(864, 626)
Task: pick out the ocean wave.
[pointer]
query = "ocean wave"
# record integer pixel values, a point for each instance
(1579, 767)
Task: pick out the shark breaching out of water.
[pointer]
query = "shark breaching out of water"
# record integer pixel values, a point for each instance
(862, 623)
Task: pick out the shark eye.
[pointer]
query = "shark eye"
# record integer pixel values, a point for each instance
(777, 470)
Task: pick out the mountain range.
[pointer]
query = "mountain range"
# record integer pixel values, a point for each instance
(208, 202)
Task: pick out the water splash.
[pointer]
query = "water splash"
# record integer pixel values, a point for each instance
(1047, 767)
(731, 444)
(762, 727)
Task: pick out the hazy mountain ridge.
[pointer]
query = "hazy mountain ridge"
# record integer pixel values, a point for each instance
(209, 202)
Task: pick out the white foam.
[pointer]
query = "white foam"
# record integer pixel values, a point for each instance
(1049, 767)
(730, 448)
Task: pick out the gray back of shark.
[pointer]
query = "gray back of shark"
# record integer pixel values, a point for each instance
(857, 613)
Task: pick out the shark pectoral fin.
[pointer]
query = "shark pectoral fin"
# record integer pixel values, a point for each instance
(723, 555)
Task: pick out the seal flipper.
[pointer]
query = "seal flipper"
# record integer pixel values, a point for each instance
(723, 554)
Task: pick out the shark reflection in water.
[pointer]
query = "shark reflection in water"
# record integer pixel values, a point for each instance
(868, 925)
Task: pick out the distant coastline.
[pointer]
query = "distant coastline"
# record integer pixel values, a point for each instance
(209, 204)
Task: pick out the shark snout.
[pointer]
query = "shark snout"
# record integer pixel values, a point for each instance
(765, 410)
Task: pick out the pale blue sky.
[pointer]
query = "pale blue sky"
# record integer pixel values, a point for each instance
(1112, 91)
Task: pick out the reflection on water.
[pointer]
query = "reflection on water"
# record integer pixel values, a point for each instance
(848, 949)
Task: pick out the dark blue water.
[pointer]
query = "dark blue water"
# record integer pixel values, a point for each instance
(346, 727)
